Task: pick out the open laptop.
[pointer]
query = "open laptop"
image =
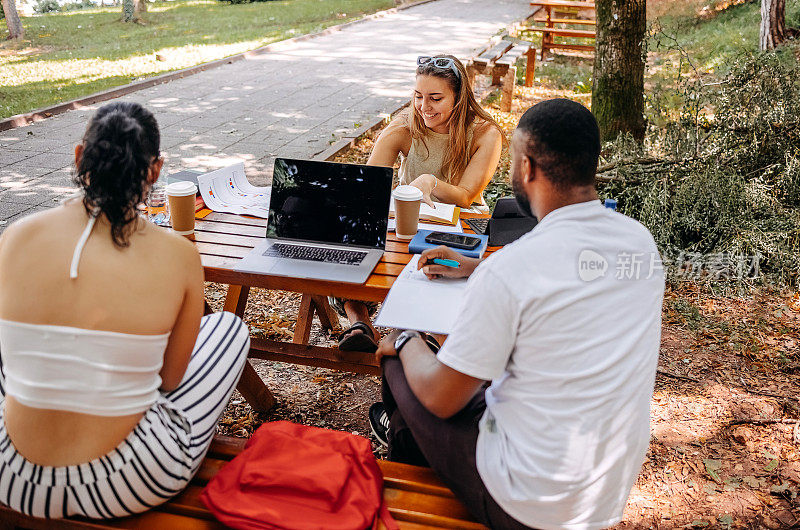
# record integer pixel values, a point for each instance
(327, 221)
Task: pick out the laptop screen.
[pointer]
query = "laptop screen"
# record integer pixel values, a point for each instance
(326, 202)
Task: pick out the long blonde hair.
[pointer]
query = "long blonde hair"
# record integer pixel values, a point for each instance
(464, 114)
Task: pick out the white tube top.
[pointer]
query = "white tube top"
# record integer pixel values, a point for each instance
(104, 373)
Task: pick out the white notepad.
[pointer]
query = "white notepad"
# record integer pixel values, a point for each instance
(415, 302)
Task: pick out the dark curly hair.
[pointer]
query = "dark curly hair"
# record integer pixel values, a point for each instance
(120, 144)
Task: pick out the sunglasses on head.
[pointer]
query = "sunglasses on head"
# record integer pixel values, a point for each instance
(442, 63)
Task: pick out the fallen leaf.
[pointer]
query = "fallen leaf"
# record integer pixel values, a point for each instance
(710, 489)
(732, 483)
(753, 482)
(773, 464)
(712, 467)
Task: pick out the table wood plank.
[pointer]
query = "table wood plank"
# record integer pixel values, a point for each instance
(229, 228)
(232, 218)
(374, 289)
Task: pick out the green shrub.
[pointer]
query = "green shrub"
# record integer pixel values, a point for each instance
(723, 174)
(46, 6)
(81, 4)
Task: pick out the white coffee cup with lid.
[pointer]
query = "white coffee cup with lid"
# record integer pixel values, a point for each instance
(407, 200)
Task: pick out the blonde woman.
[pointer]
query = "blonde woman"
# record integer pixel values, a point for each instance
(449, 148)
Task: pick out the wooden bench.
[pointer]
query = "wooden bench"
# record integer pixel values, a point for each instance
(500, 61)
(414, 495)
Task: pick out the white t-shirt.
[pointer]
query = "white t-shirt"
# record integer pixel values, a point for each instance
(571, 347)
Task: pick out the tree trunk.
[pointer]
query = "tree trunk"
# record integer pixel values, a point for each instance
(139, 7)
(15, 29)
(773, 24)
(128, 11)
(618, 77)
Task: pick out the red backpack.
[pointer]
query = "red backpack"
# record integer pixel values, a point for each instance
(292, 476)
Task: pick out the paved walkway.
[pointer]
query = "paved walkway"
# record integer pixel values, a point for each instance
(294, 101)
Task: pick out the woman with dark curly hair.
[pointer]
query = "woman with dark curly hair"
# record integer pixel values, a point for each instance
(112, 380)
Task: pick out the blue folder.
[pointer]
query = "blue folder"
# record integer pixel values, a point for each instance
(418, 244)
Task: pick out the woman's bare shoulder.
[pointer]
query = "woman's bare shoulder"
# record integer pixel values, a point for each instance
(180, 249)
(26, 228)
(398, 128)
(486, 132)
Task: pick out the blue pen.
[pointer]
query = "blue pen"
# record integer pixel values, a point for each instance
(446, 262)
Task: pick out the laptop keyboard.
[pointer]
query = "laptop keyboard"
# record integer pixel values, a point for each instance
(479, 225)
(327, 255)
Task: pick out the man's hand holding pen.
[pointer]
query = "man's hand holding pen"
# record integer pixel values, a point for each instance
(444, 262)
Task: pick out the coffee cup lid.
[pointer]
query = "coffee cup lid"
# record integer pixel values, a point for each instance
(406, 192)
(181, 188)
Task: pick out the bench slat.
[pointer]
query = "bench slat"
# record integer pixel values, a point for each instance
(577, 47)
(586, 33)
(424, 520)
(581, 21)
(226, 447)
(412, 478)
(493, 53)
(405, 505)
(564, 3)
(208, 469)
(187, 503)
(432, 506)
(514, 53)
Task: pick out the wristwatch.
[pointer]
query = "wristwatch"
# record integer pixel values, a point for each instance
(404, 337)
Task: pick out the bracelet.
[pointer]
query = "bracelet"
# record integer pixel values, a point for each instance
(435, 182)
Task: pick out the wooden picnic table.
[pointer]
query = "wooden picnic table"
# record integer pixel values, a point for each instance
(549, 30)
(223, 239)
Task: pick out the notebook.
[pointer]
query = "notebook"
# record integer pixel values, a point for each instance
(418, 244)
(447, 214)
(415, 302)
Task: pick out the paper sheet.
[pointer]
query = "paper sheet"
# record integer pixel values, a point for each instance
(457, 229)
(415, 302)
(228, 190)
(476, 208)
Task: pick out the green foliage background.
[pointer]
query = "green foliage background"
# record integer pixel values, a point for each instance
(720, 173)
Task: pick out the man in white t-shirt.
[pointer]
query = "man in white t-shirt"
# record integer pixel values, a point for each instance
(566, 324)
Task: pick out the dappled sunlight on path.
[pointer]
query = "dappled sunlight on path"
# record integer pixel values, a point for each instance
(295, 101)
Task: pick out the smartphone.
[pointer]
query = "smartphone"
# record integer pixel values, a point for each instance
(452, 240)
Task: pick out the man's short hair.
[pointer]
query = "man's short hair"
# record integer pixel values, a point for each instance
(564, 141)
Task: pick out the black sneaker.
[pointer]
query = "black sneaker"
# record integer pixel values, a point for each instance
(379, 423)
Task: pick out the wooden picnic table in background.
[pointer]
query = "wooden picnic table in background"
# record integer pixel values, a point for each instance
(549, 30)
(223, 239)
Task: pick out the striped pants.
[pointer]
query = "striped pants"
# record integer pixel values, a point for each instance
(157, 459)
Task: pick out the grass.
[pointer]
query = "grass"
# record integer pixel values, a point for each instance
(73, 54)
(710, 43)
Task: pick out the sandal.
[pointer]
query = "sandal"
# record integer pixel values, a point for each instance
(358, 341)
